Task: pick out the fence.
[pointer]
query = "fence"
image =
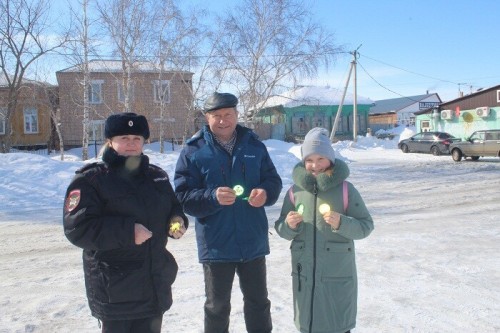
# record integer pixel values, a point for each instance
(32, 149)
(93, 147)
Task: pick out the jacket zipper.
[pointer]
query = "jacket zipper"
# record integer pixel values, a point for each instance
(244, 173)
(315, 192)
(224, 175)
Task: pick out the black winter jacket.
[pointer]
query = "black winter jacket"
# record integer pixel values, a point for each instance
(103, 202)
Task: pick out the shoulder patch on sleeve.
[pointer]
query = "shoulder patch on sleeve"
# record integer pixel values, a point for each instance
(73, 200)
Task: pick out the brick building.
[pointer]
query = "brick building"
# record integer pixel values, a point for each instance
(163, 96)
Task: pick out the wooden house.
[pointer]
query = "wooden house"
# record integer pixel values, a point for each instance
(389, 113)
(30, 123)
(299, 110)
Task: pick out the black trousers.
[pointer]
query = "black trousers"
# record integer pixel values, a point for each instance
(218, 284)
(143, 325)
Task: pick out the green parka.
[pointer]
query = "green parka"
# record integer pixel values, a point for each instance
(323, 260)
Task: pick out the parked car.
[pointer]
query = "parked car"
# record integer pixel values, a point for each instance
(436, 143)
(479, 144)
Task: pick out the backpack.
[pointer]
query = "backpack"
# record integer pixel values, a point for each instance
(345, 195)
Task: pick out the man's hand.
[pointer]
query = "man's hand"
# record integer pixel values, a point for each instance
(257, 197)
(141, 233)
(225, 196)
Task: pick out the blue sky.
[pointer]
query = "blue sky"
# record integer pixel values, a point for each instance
(408, 47)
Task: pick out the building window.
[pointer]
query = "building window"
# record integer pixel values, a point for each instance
(30, 121)
(318, 120)
(477, 137)
(299, 124)
(498, 96)
(341, 124)
(96, 131)
(3, 113)
(425, 125)
(121, 92)
(412, 120)
(161, 91)
(95, 91)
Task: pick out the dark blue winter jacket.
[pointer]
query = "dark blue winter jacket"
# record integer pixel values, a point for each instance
(235, 233)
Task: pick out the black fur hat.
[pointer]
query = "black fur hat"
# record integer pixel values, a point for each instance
(127, 123)
(220, 101)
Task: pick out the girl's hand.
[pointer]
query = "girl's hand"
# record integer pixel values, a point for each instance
(293, 219)
(333, 219)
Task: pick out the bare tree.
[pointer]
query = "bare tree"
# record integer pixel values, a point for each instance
(181, 36)
(275, 43)
(141, 28)
(166, 19)
(86, 79)
(129, 23)
(55, 115)
(80, 47)
(24, 29)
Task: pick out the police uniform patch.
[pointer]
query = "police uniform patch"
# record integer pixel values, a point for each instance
(72, 200)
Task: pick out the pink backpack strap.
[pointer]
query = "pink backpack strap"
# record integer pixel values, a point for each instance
(345, 196)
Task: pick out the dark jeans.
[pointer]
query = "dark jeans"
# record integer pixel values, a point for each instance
(218, 283)
(143, 325)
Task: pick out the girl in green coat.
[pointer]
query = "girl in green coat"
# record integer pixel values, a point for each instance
(322, 215)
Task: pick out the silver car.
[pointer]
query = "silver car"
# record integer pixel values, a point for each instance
(479, 144)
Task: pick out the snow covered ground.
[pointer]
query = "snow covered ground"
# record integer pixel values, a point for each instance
(431, 264)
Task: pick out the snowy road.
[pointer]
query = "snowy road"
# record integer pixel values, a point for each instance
(431, 265)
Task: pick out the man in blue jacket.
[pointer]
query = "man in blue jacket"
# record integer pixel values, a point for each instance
(224, 177)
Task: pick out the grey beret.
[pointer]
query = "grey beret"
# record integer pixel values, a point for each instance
(127, 123)
(220, 101)
(317, 141)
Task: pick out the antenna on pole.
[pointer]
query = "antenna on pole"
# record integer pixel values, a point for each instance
(339, 110)
(460, 93)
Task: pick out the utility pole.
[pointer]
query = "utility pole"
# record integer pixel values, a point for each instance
(339, 111)
(355, 105)
(460, 94)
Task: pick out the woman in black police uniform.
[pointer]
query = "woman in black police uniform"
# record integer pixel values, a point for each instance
(120, 212)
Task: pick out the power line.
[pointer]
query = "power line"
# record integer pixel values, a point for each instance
(412, 72)
(381, 85)
(458, 84)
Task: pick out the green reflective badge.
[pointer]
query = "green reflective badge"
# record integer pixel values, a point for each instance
(300, 209)
(324, 208)
(238, 190)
